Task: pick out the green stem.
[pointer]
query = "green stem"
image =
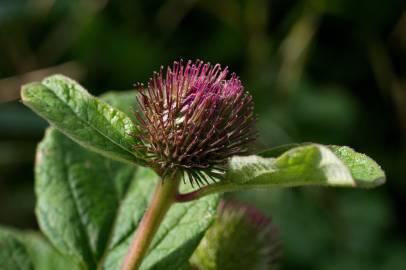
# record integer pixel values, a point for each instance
(162, 200)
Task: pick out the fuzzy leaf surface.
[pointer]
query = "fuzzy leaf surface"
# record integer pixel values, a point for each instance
(84, 118)
(300, 165)
(365, 172)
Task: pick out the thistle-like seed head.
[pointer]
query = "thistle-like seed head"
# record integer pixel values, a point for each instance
(241, 238)
(192, 118)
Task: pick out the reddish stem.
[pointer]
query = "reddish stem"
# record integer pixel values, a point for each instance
(163, 198)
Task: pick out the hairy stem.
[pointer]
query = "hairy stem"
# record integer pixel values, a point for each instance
(163, 198)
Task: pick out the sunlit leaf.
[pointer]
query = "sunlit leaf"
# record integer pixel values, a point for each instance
(84, 118)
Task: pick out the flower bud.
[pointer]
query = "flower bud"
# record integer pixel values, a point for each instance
(192, 118)
(241, 238)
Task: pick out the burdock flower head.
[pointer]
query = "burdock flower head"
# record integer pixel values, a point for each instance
(192, 118)
(241, 238)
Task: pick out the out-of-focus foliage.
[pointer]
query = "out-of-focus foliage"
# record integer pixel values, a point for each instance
(29, 250)
(333, 72)
(240, 238)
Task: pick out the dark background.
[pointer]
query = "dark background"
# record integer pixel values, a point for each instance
(330, 71)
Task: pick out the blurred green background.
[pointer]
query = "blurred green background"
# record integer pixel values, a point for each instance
(331, 71)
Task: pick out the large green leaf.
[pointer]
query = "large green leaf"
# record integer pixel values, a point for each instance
(87, 120)
(78, 194)
(300, 165)
(311, 164)
(89, 208)
(28, 250)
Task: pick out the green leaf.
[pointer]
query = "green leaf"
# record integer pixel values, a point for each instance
(87, 120)
(364, 170)
(29, 250)
(176, 239)
(305, 165)
(13, 253)
(89, 208)
(78, 193)
(292, 165)
(44, 256)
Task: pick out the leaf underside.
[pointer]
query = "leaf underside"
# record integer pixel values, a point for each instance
(308, 164)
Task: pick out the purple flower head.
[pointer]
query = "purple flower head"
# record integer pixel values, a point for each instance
(192, 119)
